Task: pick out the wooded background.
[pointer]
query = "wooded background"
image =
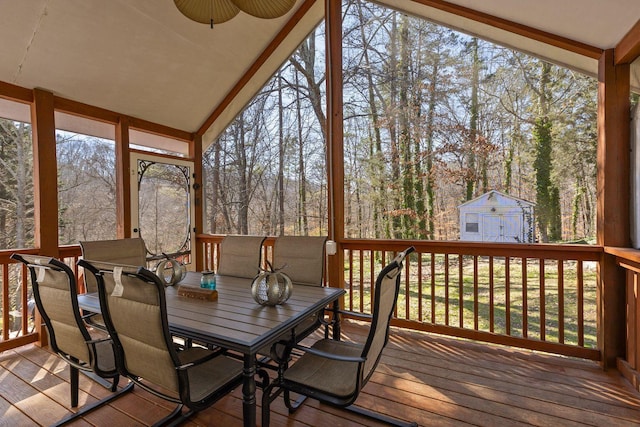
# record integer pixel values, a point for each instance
(432, 118)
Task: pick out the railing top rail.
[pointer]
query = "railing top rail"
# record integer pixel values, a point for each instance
(5, 254)
(627, 254)
(515, 250)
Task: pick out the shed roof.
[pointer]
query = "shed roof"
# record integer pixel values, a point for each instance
(497, 194)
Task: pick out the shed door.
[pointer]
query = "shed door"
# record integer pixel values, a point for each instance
(491, 228)
(502, 228)
(512, 227)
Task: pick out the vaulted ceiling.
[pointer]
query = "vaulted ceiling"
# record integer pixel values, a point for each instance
(143, 58)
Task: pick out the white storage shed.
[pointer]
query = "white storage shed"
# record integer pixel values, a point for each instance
(497, 217)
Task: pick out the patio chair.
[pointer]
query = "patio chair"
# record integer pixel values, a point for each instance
(118, 251)
(84, 349)
(240, 256)
(135, 313)
(334, 372)
(302, 258)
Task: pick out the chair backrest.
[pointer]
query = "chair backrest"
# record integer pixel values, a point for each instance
(385, 296)
(240, 256)
(135, 314)
(120, 251)
(54, 290)
(303, 258)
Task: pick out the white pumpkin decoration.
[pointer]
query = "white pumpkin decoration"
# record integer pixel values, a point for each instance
(271, 286)
(170, 271)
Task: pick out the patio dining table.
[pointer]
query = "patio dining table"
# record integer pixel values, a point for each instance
(235, 321)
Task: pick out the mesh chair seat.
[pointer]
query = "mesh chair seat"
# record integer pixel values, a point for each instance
(119, 251)
(206, 378)
(334, 377)
(302, 258)
(105, 358)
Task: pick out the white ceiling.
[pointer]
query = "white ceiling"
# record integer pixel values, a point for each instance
(143, 58)
(599, 23)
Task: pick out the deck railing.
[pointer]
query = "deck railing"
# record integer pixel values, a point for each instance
(629, 260)
(541, 297)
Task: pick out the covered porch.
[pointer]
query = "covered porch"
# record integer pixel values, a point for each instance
(541, 362)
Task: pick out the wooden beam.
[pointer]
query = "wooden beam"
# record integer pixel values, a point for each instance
(335, 145)
(628, 49)
(15, 93)
(45, 173)
(613, 218)
(84, 110)
(96, 113)
(513, 27)
(195, 152)
(161, 130)
(278, 39)
(123, 180)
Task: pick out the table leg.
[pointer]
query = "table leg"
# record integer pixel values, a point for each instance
(249, 391)
(336, 321)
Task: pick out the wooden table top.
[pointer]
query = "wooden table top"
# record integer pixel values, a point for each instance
(235, 320)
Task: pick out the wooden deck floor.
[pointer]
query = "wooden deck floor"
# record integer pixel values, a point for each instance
(433, 380)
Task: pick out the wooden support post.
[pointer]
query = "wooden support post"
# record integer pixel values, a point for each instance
(335, 147)
(195, 152)
(45, 183)
(613, 201)
(123, 180)
(45, 173)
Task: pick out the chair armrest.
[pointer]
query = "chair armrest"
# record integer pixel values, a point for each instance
(363, 316)
(210, 356)
(88, 315)
(330, 356)
(99, 340)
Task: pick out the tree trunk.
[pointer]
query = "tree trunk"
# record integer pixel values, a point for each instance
(281, 150)
(404, 108)
(303, 217)
(375, 151)
(396, 196)
(243, 209)
(473, 124)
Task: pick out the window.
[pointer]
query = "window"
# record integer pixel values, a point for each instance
(16, 176)
(434, 117)
(266, 173)
(471, 223)
(86, 180)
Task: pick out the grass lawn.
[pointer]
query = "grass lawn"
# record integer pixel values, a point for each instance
(454, 278)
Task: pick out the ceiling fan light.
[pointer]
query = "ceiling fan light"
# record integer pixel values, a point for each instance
(207, 11)
(267, 9)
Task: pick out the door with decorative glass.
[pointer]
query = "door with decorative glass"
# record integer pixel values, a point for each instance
(161, 205)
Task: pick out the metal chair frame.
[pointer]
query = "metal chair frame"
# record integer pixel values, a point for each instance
(177, 416)
(76, 365)
(283, 384)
